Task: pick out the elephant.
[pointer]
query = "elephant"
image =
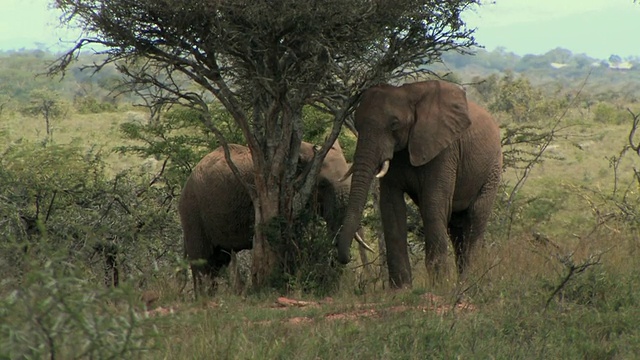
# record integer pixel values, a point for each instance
(424, 139)
(217, 214)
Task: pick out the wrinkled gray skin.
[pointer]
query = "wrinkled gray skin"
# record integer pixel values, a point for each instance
(444, 152)
(217, 214)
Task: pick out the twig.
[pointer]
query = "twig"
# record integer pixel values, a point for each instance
(573, 269)
(632, 132)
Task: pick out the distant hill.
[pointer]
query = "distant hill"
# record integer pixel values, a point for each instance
(556, 68)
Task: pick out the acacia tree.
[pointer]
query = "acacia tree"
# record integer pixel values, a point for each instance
(263, 60)
(48, 104)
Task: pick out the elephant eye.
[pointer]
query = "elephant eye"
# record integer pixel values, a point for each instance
(395, 124)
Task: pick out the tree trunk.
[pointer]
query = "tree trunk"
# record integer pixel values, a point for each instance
(264, 259)
(275, 158)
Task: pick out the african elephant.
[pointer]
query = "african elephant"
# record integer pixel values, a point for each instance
(425, 140)
(217, 215)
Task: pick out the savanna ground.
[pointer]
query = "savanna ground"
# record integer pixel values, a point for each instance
(557, 277)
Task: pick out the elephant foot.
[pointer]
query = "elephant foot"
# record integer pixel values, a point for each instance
(399, 286)
(400, 281)
(437, 272)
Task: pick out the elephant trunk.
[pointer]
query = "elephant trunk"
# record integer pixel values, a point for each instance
(360, 183)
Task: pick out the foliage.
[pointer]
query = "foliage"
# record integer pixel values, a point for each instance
(55, 313)
(316, 124)
(5, 104)
(524, 149)
(622, 203)
(179, 139)
(522, 102)
(59, 198)
(309, 259)
(485, 89)
(89, 104)
(18, 74)
(606, 113)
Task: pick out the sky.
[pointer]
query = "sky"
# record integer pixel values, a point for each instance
(598, 28)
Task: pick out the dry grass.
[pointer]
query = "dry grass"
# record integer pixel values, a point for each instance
(100, 132)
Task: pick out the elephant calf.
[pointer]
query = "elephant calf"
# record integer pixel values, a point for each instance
(217, 214)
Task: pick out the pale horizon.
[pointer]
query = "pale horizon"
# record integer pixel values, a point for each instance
(597, 28)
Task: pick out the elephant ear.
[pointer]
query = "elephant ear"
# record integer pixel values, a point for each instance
(441, 116)
(306, 152)
(336, 146)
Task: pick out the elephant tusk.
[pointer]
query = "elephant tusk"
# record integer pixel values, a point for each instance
(383, 171)
(361, 242)
(347, 174)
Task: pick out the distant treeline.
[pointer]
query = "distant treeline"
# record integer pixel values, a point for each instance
(556, 59)
(24, 71)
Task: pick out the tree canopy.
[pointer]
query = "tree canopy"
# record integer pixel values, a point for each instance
(264, 61)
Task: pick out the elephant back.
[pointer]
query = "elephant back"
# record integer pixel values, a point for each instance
(214, 167)
(217, 202)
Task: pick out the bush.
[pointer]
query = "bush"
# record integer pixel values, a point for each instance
(522, 102)
(90, 105)
(608, 114)
(309, 258)
(54, 313)
(59, 199)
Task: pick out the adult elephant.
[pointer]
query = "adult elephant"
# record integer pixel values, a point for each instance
(217, 214)
(426, 140)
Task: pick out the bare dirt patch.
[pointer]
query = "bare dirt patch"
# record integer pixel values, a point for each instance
(432, 304)
(429, 303)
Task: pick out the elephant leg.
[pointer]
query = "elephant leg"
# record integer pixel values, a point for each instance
(436, 236)
(475, 224)
(465, 234)
(210, 270)
(459, 229)
(393, 211)
(197, 273)
(194, 253)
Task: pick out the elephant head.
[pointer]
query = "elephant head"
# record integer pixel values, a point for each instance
(332, 194)
(424, 118)
(333, 188)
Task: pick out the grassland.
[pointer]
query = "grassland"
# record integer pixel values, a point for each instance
(99, 131)
(564, 283)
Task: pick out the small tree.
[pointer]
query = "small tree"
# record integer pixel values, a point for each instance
(46, 103)
(264, 61)
(522, 101)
